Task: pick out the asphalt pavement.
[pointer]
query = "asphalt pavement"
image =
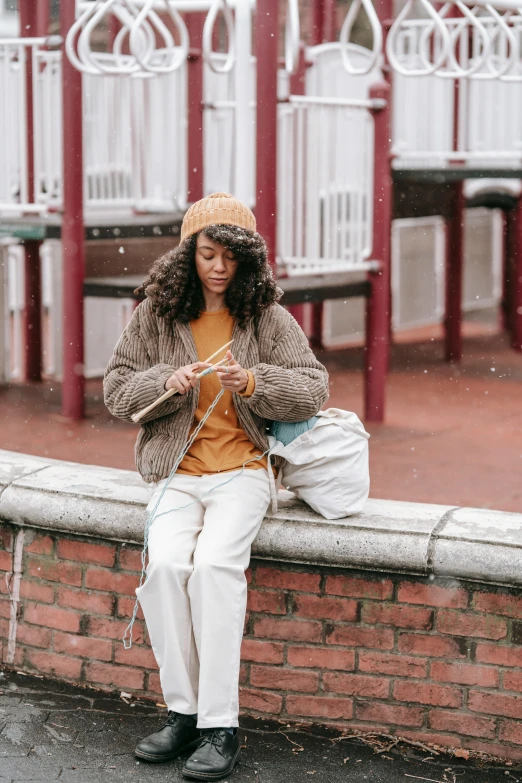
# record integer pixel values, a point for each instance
(51, 731)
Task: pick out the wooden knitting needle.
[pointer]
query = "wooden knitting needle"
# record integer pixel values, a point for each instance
(138, 416)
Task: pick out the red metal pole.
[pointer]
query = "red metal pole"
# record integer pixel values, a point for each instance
(504, 306)
(72, 230)
(378, 303)
(454, 248)
(509, 270)
(320, 33)
(32, 285)
(195, 22)
(329, 21)
(516, 278)
(297, 87)
(317, 20)
(384, 9)
(32, 311)
(266, 43)
(42, 17)
(454, 272)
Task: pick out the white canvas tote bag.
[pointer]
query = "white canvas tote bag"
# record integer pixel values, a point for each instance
(327, 466)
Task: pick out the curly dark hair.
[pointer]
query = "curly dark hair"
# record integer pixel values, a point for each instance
(175, 289)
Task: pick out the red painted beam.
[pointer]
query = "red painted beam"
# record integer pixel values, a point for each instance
(378, 303)
(329, 21)
(516, 278)
(504, 315)
(318, 32)
(317, 22)
(297, 87)
(195, 22)
(266, 48)
(454, 273)
(32, 279)
(384, 10)
(72, 230)
(42, 17)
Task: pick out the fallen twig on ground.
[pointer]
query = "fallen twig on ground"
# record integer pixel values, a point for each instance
(366, 737)
(298, 745)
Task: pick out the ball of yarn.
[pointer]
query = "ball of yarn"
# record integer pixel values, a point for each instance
(287, 431)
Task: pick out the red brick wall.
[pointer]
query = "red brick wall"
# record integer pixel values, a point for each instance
(429, 660)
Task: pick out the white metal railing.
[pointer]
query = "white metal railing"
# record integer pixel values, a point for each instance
(15, 300)
(476, 39)
(325, 185)
(135, 136)
(344, 37)
(149, 39)
(325, 166)
(144, 44)
(105, 318)
(229, 116)
(13, 127)
(478, 52)
(135, 142)
(47, 103)
(225, 167)
(489, 122)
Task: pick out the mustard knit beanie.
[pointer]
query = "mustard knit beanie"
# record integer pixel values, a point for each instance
(218, 208)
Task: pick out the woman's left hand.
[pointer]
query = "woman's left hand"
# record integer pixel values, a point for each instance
(233, 378)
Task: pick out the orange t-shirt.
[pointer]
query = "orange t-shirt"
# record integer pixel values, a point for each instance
(222, 444)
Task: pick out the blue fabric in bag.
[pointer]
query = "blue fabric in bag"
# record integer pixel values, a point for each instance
(287, 431)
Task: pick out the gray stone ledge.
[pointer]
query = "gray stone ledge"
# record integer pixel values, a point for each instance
(412, 538)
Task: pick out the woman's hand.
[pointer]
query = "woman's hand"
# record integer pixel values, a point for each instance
(184, 379)
(233, 378)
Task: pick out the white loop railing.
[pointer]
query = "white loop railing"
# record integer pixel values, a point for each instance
(151, 45)
(511, 26)
(429, 27)
(176, 55)
(346, 30)
(292, 37)
(117, 64)
(128, 62)
(70, 40)
(503, 37)
(459, 36)
(478, 42)
(509, 75)
(209, 56)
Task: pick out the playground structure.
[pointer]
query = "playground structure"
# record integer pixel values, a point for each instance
(119, 142)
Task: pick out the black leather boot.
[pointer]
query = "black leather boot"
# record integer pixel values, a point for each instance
(215, 757)
(177, 734)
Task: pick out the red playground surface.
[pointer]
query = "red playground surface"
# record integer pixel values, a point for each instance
(452, 433)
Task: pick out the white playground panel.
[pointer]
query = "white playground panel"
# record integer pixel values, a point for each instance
(418, 273)
(325, 167)
(126, 122)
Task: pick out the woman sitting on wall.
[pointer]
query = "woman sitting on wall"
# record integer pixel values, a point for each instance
(216, 286)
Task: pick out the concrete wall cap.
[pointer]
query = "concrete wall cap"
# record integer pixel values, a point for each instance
(396, 536)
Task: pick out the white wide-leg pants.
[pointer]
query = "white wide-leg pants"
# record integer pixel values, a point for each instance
(194, 597)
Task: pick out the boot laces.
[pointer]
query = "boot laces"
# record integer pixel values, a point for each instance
(172, 718)
(212, 738)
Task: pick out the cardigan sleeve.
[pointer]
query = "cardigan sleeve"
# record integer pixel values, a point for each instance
(131, 382)
(293, 384)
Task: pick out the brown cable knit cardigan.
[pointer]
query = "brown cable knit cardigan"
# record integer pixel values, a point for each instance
(291, 385)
